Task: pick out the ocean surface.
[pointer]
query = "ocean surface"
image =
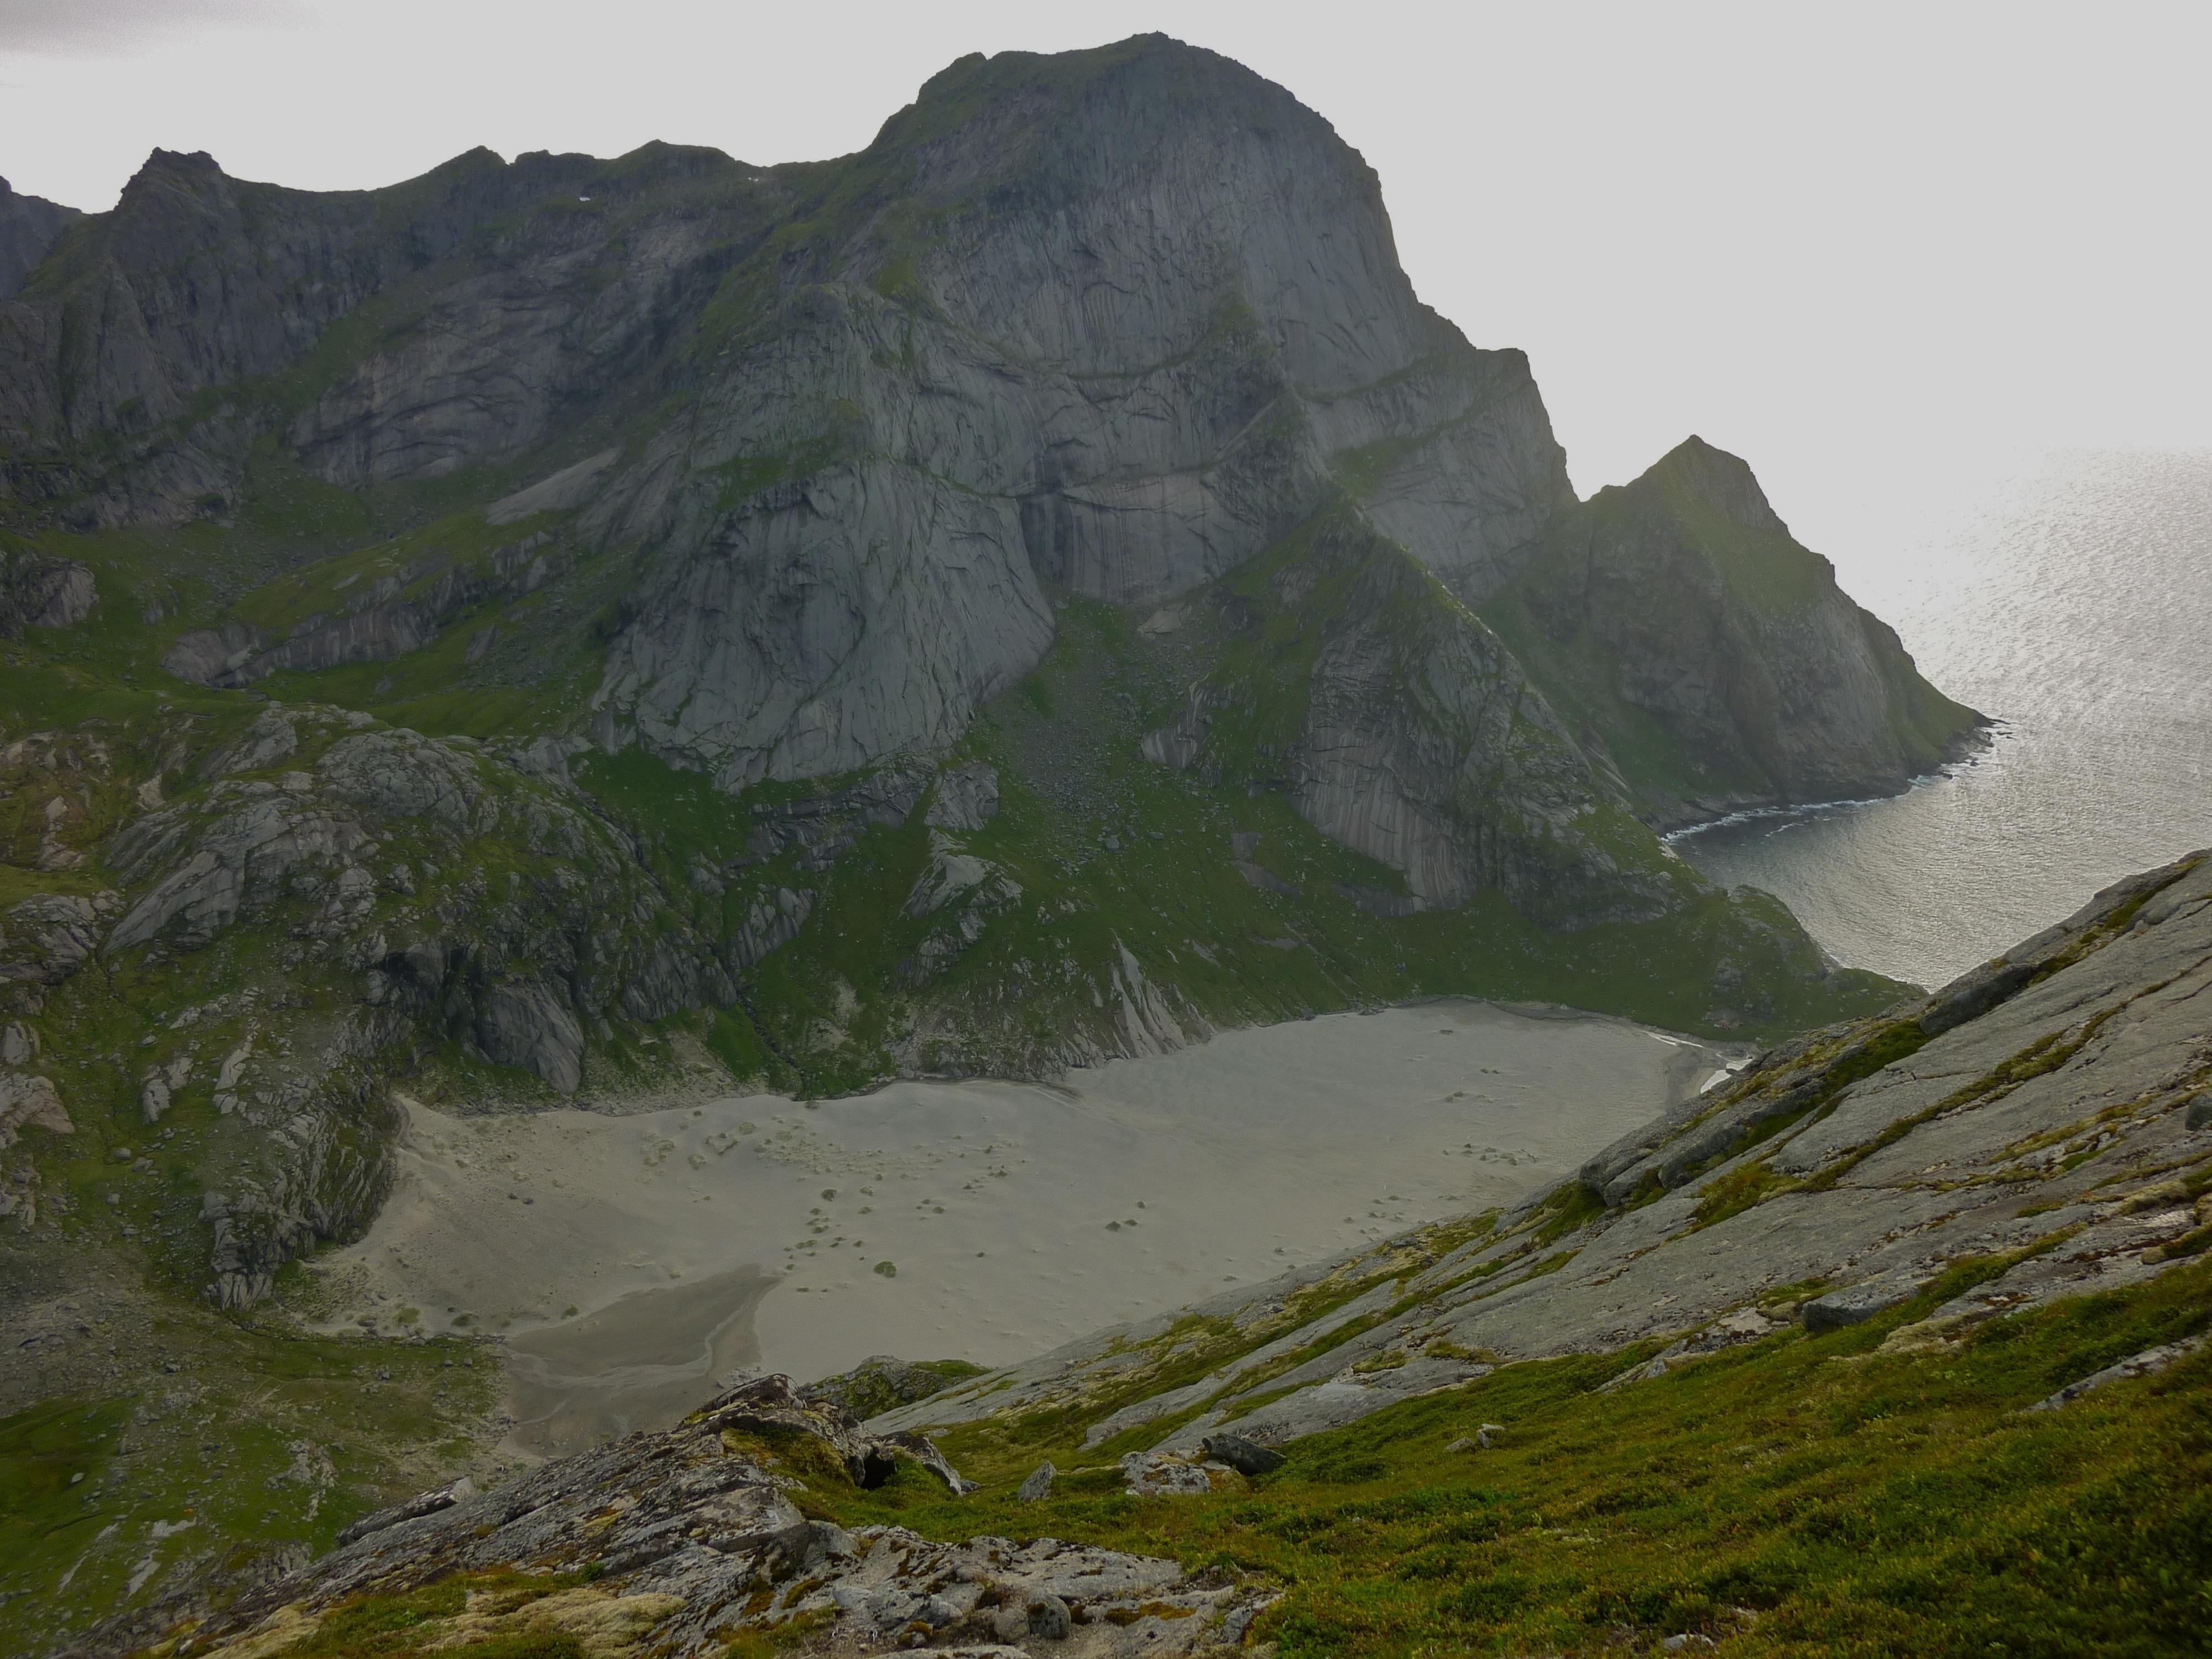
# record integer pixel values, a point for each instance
(2070, 597)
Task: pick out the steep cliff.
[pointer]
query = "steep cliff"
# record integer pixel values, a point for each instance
(1713, 659)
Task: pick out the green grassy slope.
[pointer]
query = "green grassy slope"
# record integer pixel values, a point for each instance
(1802, 1495)
(228, 1444)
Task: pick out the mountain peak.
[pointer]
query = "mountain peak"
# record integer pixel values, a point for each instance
(1148, 83)
(1717, 479)
(194, 163)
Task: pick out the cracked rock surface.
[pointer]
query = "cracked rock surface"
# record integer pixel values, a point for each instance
(694, 1540)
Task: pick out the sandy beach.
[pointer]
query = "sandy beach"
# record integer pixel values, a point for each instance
(629, 1263)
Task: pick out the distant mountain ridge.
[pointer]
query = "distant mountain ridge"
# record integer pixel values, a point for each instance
(961, 332)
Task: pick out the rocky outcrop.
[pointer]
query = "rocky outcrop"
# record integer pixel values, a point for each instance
(1710, 619)
(883, 1380)
(28, 228)
(31, 1101)
(1400, 726)
(1176, 421)
(196, 281)
(694, 1539)
(401, 611)
(2047, 1132)
(435, 893)
(40, 591)
(829, 624)
(526, 1025)
(49, 939)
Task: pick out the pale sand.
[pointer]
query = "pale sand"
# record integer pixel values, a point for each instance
(1018, 1216)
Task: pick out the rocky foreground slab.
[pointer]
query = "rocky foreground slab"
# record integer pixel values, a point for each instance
(680, 1542)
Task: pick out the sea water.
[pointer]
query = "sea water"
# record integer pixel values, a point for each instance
(2071, 602)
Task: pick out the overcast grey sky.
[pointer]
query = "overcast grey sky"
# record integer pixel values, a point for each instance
(1850, 242)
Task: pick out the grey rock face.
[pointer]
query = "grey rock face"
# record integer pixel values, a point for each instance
(967, 797)
(1409, 733)
(413, 1509)
(571, 487)
(262, 836)
(37, 591)
(30, 1102)
(28, 228)
(876, 1385)
(377, 628)
(524, 1025)
(1038, 1487)
(1046, 1617)
(400, 773)
(160, 1086)
(1155, 436)
(206, 654)
(1245, 1455)
(767, 926)
(2148, 1362)
(273, 736)
(1156, 1475)
(49, 939)
(864, 612)
(1856, 1304)
(1474, 476)
(442, 891)
(196, 280)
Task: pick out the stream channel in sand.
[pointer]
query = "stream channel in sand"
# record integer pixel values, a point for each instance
(629, 1263)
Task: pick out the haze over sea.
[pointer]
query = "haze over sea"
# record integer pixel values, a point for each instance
(2070, 597)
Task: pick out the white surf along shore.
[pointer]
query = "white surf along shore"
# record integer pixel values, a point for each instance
(631, 1263)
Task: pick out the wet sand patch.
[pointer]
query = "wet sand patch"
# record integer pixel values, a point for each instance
(641, 1362)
